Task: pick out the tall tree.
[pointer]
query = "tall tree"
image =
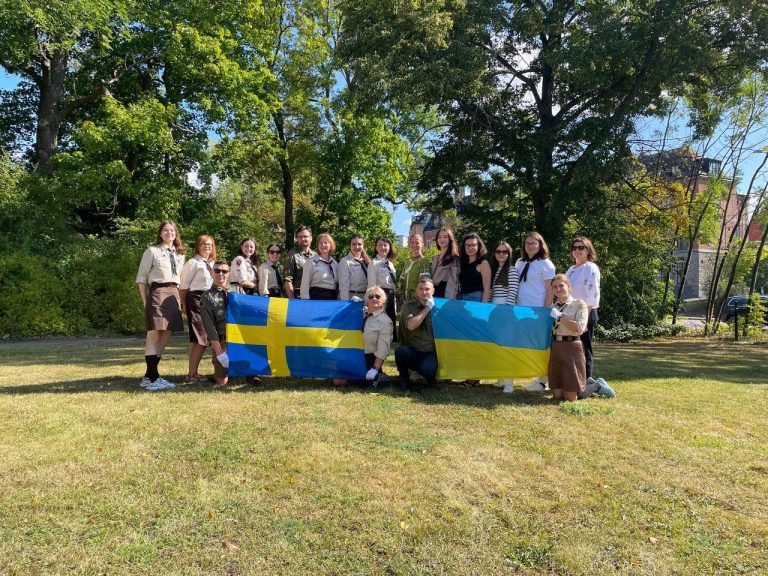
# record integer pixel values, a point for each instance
(546, 91)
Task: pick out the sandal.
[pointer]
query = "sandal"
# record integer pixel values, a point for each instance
(195, 379)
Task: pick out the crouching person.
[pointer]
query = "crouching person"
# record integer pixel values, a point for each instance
(418, 350)
(213, 307)
(377, 333)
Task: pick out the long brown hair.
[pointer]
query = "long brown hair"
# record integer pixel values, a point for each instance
(177, 243)
(366, 258)
(254, 258)
(503, 277)
(543, 252)
(452, 252)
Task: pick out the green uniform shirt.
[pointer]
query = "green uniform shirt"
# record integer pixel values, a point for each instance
(421, 339)
(213, 309)
(409, 278)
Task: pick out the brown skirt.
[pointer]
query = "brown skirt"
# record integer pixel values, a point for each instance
(567, 369)
(197, 332)
(163, 309)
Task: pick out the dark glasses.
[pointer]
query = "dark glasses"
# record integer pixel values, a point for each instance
(274, 251)
(579, 247)
(221, 271)
(501, 251)
(374, 296)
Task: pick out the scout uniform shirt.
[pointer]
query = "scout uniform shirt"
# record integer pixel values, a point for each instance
(242, 270)
(213, 309)
(353, 277)
(381, 272)
(572, 309)
(421, 339)
(160, 265)
(270, 280)
(319, 273)
(377, 334)
(196, 275)
(294, 266)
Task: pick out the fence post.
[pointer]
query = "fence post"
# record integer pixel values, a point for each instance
(736, 324)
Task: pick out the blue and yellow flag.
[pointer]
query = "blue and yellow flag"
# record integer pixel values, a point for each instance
(282, 337)
(477, 341)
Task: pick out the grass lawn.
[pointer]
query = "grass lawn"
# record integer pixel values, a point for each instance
(297, 477)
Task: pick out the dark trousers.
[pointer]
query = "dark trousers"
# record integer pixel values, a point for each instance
(586, 340)
(391, 310)
(425, 363)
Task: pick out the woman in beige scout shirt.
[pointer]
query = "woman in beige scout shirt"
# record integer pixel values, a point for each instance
(567, 374)
(158, 279)
(377, 334)
(196, 279)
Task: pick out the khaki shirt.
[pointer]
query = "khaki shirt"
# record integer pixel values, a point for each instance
(353, 276)
(381, 272)
(575, 310)
(377, 334)
(317, 273)
(422, 338)
(155, 266)
(196, 275)
(268, 278)
(294, 265)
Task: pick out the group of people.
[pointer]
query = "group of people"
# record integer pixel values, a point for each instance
(199, 287)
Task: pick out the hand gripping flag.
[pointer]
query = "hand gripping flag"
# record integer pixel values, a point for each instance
(282, 337)
(476, 340)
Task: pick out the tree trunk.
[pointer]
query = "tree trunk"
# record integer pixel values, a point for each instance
(51, 86)
(756, 266)
(286, 177)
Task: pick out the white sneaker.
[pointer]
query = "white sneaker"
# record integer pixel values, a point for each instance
(145, 382)
(508, 389)
(538, 385)
(160, 384)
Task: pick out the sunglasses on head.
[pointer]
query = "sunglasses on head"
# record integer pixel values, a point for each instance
(221, 271)
(374, 296)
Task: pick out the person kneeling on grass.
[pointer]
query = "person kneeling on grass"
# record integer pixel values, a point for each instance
(567, 373)
(418, 351)
(213, 308)
(377, 333)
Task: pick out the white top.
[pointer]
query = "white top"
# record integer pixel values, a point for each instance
(585, 283)
(196, 275)
(242, 270)
(381, 273)
(377, 334)
(533, 290)
(353, 276)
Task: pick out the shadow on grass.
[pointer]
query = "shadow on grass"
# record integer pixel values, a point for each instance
(479, 396)
(694, 358)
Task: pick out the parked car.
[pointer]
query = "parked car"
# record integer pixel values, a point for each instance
(741, 303)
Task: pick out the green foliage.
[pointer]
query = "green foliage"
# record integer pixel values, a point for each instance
(31, 305)
(629, 332)
(756, 319)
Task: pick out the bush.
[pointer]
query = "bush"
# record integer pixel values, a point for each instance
(628, 332)
(100, 293)
(32, 295)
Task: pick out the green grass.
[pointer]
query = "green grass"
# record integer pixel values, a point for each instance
(299, 477)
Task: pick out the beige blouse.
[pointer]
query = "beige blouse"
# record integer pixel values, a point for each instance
(377, 334)
(156, 267)
(575, 310)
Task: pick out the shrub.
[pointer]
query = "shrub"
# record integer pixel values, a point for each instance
(31, 302)
(628, 332)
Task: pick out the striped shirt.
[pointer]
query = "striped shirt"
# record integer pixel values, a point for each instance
(501, 294)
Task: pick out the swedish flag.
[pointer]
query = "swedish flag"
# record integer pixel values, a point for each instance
(476, 340)
(282, 337)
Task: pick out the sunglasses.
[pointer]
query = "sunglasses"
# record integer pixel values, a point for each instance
(501, 251)
(579, 248)
(274, 251)
(374, 296)
(220, 271)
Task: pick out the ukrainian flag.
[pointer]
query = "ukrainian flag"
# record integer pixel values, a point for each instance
(475, 340)
(282, 337)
